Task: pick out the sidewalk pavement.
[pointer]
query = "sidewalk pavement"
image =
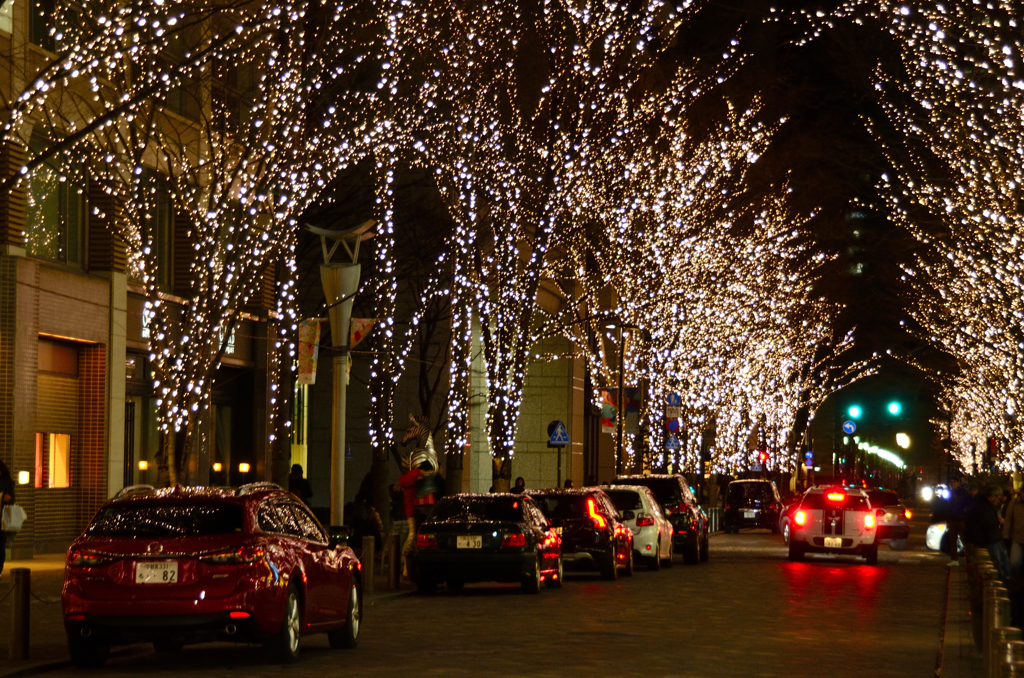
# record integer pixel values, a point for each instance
(958, 657)
(48, 645)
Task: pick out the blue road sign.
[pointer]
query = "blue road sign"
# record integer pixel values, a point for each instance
(559, 436)
(672, 425)
(672, 443)
(673, 400)
(849, 427)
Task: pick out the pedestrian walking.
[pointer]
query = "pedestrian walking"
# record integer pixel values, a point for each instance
(6, 498)
(299, 486)
(983, 528)
(1013, 533)
(960, 504)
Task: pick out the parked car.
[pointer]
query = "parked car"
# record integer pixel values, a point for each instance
(487, 537)
(689, 522)
(751, 503)
(183, 565)
(652, 532)
(592, 536)
(893, 518)
(834, 520)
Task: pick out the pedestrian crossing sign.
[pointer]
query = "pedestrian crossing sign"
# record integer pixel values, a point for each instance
(559, 436)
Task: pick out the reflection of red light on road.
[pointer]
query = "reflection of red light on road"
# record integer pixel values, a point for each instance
(849, 587)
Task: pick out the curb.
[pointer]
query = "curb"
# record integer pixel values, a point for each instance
(940, 655)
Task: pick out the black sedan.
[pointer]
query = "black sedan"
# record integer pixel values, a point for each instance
(592, 536)
(487, 537)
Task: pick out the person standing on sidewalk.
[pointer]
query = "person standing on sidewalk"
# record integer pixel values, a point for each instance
(960, 503)
(1013, 532)
(6, 497)
(984, 528)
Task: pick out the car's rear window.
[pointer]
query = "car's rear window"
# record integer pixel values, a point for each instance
(491, 509)
(740, 491)
(562, 506)
(820, 500)
(167, 520)
(625, 500)
(883, 498)
(666, 490)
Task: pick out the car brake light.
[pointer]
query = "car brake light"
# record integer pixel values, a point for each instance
(908, 513)
(426, 541)
(644, 521)
(244, 554)
(800, 517)
(80, 558)
(238, 614)
(515, 540)
(836, 496)
(597, 518)
(869, 521)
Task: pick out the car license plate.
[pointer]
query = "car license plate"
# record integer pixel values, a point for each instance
(833, 542)
(749, 514)
(164, 572)
(469, 542)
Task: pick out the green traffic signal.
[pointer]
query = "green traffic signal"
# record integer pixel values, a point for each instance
(895, 407)
(854, 412)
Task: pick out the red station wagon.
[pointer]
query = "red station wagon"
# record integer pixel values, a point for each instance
(191, 564)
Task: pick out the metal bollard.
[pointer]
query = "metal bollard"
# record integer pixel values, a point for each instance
(999, 637)
(995, 614)
(394, 563)
(21, 578)
(368, 560)
(1013, 651)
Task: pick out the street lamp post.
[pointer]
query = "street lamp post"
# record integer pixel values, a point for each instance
(620, 417)
(341, 282)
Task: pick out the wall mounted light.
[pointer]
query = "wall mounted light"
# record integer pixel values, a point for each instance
(217, 467)
(24, 477)
(243, 468)
(143, 465)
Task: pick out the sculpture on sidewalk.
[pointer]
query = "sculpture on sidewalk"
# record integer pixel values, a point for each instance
(420, 481)
(419, 434)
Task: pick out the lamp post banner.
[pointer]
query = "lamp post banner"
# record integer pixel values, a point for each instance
(309, 350)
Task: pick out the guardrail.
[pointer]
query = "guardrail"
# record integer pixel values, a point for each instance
(714, 514)
(1002, 647)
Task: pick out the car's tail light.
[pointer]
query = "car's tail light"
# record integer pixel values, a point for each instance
(800, 517)
(244, 554)
(426, 541)
(80, 558)
(552, 539)
(238, 614)
(515, 540)
(644, 521)
(908, 513)
(836, 496)
(728, 506)
(595, 517)
(869, 521)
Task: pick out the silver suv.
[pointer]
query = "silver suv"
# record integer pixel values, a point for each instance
(834, 520)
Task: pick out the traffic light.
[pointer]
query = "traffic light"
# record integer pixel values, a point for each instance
(894, 407)
(762, 456)
(991, 451)
(854, 411)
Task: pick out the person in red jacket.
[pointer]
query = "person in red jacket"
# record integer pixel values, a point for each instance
(416, 507)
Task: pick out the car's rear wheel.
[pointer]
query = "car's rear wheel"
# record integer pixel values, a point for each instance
(531, 582)
(671, 554)
(627, 569)
(286, 644)
(871, 554)
(796, 550)
(655, 562)
(691, 554)
(554, 581)
(898, 545)
(87, 653)
(348, 636)
(785, 532)
(610, 569)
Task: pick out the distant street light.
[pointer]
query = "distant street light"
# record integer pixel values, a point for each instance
(903, 440)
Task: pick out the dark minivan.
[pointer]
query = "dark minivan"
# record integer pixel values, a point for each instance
(751, 503)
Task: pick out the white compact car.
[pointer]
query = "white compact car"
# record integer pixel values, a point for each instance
(652, 532)
(834, 520)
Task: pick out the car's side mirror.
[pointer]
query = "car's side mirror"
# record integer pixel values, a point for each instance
(627, 515)
(338, 535)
